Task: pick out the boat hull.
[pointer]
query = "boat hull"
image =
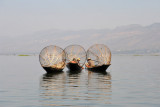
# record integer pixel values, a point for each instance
(99, 68)
(52, 70)
(74, 67)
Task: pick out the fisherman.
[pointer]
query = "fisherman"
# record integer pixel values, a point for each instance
(90, 63)
(74, 60)
(78, 60)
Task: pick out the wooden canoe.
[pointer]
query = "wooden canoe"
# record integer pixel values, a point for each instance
(52, 70)
(74, 67)
(99, 68)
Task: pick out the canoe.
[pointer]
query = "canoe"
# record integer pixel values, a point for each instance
(52, 70)
(74, 67)
(52, 59)
(100, 54)
(99, 68)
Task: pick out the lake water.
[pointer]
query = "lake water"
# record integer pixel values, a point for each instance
(132, 81)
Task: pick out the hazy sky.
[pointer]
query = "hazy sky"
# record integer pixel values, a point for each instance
(20, 17)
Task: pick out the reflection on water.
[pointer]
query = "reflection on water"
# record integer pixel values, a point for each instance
(52, 88)
(83, 88)
(134, 82)
(99, 87)
(73, 79)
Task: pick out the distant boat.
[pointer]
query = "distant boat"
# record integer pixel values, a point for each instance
(75, 57)
(98, 58)
(52, 59)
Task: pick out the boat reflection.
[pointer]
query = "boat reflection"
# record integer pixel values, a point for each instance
(52, 88)
(70, 72)
(75, 88)
(73, 79)
(101, 83)
(60, 89)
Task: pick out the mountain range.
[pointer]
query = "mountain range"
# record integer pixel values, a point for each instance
(130, 39)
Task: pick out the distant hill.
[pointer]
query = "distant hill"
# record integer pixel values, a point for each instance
(131, 39)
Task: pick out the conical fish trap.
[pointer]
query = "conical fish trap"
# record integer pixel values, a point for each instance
(52, 56)
(100, 54)
(76, 52)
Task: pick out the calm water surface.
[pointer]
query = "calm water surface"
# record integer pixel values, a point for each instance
(132, 81)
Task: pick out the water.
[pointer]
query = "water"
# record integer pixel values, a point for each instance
(132, 81)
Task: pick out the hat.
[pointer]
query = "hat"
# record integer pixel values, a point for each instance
(89, 59)
(78, 59)
(74, 59)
